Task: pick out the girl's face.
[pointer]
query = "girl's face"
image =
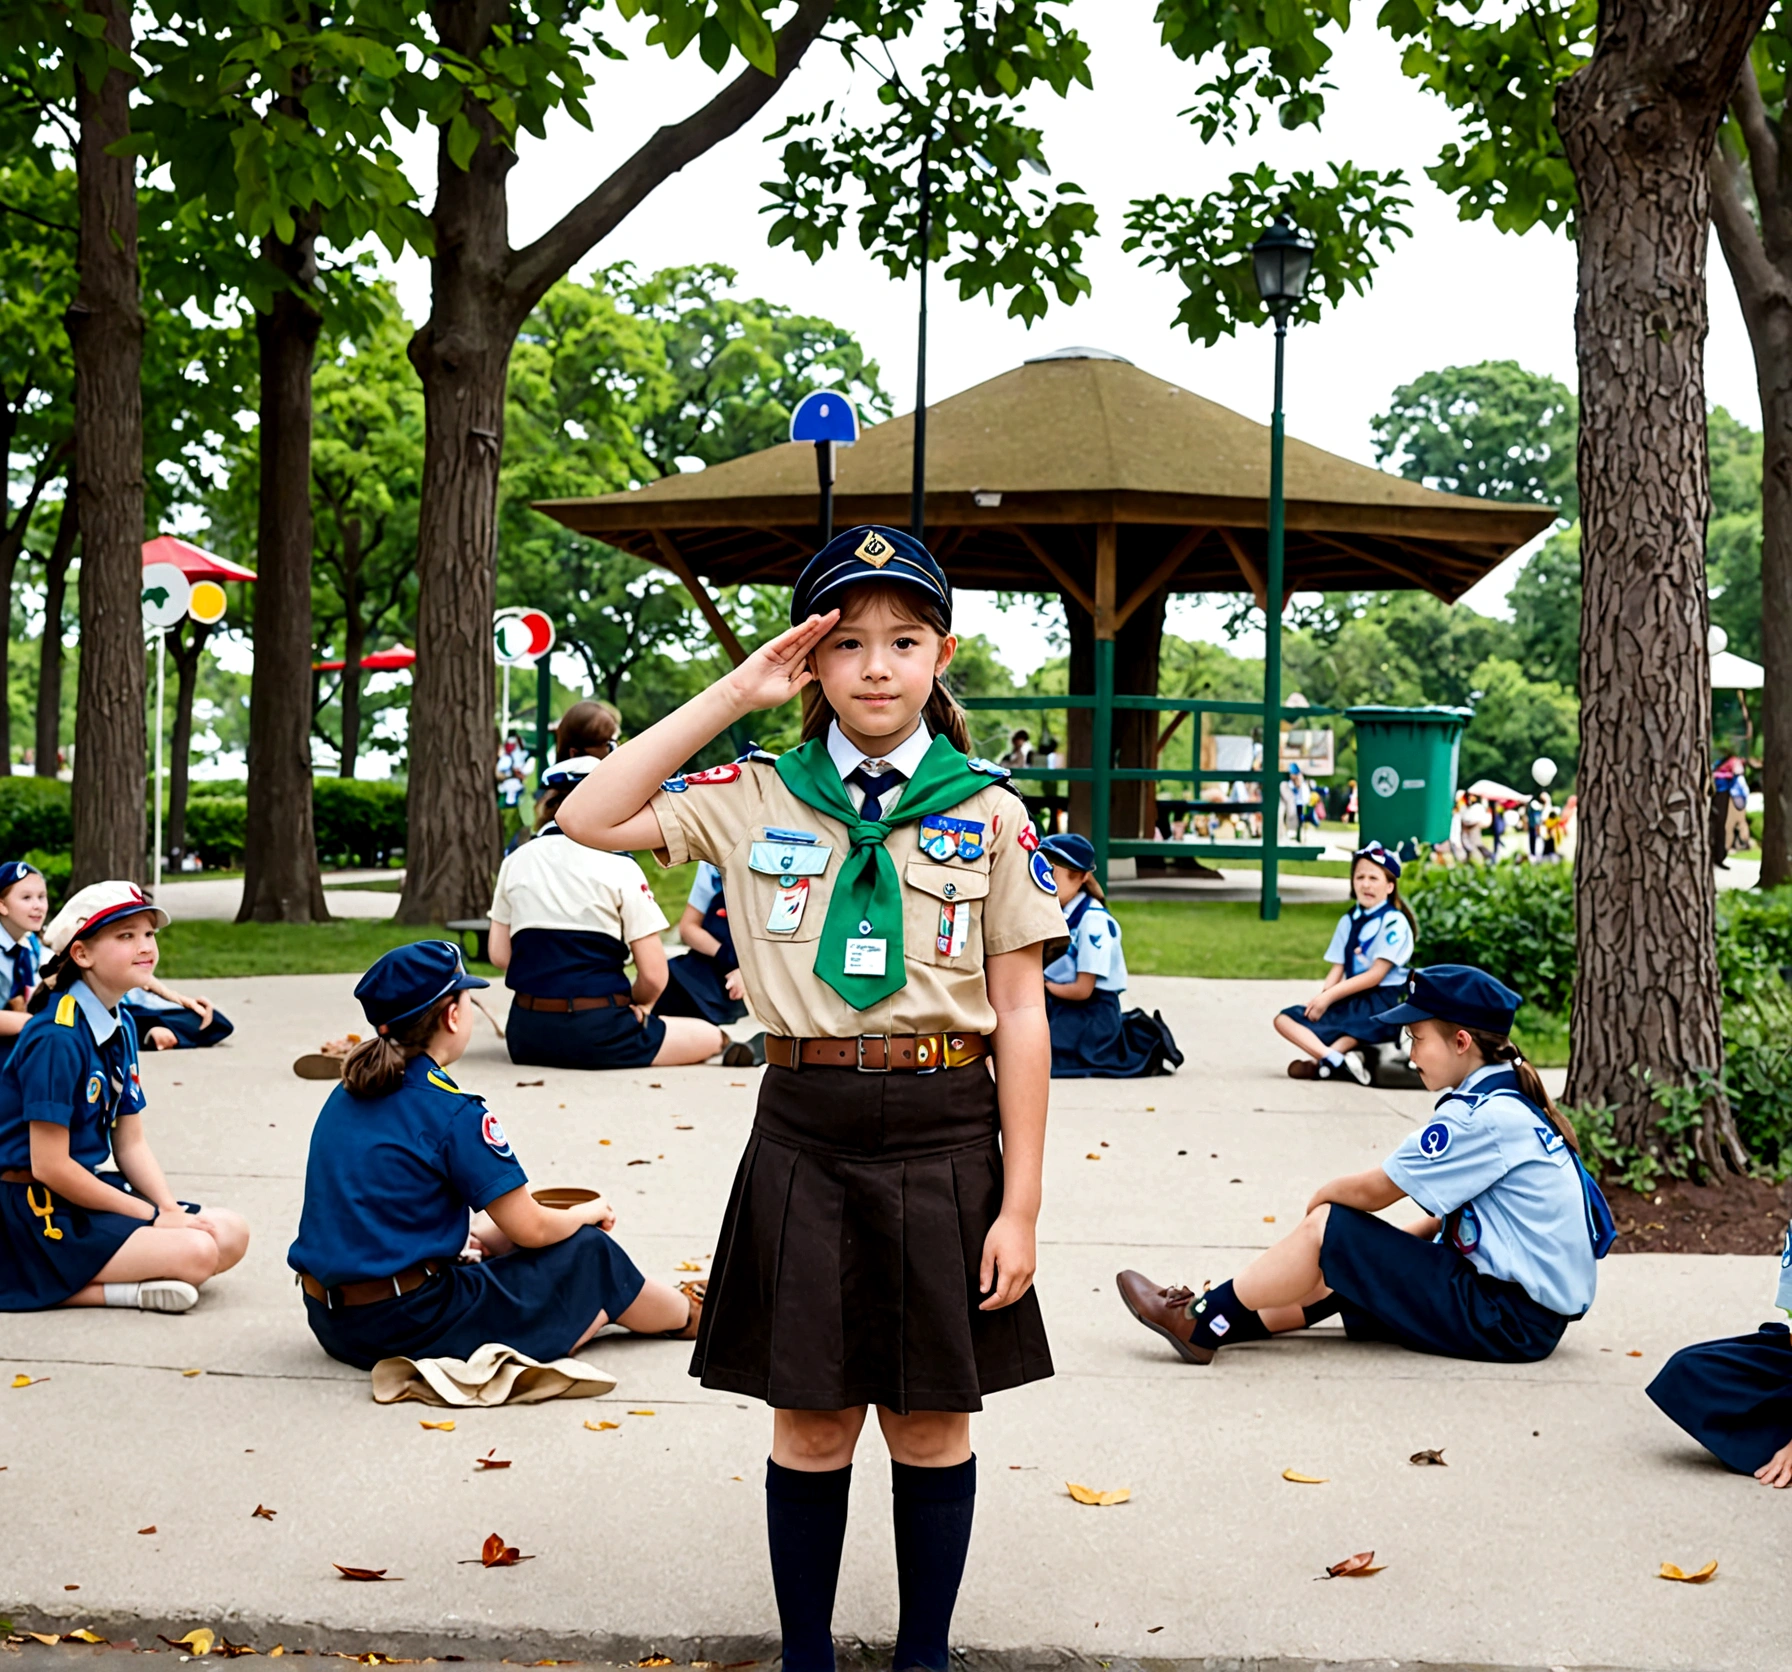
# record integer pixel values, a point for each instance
(877, 667)
(25, 905)
(1370, 883)
(121, 956)
(1070, 883)
(1444, 1055)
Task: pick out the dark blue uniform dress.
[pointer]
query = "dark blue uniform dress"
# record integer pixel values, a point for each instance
(697, 983)
(74, 1065)
(1359, 939)
(20, 961)
(390, 1184)
(1735, 1397)
(1093, 1038)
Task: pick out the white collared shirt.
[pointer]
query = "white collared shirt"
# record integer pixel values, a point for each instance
(904, 758)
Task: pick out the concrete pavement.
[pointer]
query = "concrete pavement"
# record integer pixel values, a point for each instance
(1537, 1547)
(217, 898)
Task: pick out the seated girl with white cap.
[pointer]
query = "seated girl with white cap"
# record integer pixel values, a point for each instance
(70, 1097)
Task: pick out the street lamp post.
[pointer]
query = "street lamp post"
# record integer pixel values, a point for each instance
(917, 507)
(1282, 260)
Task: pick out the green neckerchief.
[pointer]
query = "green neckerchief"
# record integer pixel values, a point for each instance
(867, 902)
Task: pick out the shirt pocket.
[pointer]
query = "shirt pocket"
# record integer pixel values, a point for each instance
(754, 882)
(942, 913)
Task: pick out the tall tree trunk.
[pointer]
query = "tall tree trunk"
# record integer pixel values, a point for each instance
(105, 327)
(12, 546)
(281, 883)
(49, 649)
(1638, 123)
(186, 657)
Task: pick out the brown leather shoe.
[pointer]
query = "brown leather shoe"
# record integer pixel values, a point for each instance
(694, 1293)
(1165, 1311)
(1303, 1068)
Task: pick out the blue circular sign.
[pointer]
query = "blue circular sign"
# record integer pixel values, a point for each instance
(1434, 1140)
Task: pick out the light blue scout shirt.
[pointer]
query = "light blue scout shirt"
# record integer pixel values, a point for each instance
(707, 886)
(1783, 1296)
(14, 978)
(1524, 1216)
(1385, 934)
(1094, 946)
(75, 1065)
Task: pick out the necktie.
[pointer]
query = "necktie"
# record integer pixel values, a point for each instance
(22, 972)
(876, 786)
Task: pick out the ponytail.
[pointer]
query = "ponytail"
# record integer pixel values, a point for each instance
(1405, 911)
(1496, 1047)
(375, 1067)
(48, 979)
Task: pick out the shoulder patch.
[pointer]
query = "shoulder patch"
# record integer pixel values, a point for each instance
(1040, 869)
(1434, 1141)
(674, 786)
(65, 1011)
(726, 774)
(988, 768)
(492, 1132)
(441, 1081)
(754, 753)
(95, 1085)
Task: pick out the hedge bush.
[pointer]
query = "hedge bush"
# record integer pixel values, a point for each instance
(1514, 921)
(34, 814)
(358, 823)
(215, 830)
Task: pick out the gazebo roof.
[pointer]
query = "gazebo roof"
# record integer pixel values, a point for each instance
(1023, 469)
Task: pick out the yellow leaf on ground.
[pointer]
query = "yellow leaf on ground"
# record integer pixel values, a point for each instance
(643, 1413)
(439, 1427)
(601, 1427)
(199, 1641)
(1088, 1494)
(1093, 1155)
(1305, 1480)
(689, 1265)
(1269, 1219)
(278, 1649)
(86, 1636)
(23, 1381)
(1635, 1352)
(49, 1639)
(1669, 1571)
(192, 1372)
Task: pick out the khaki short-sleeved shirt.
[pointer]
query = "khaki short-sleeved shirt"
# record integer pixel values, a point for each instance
(722, 815)
(553, 882)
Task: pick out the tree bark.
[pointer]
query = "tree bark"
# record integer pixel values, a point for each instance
(12, 546)
(481, 293)
(105, 327)
(1638, 123)
(185, 656)
(1759, 257)
(49, 649)
(281, 883)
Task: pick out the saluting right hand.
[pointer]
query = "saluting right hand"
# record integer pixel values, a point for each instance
(776, 671)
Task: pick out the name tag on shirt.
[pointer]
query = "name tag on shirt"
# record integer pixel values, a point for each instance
(788, 906)
(865, 956)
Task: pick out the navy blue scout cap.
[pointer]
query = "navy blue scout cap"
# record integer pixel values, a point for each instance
(1388, 862)
(1458, 993)
(16, 870)
(867, 553)
(1076, 853)
(409, 979)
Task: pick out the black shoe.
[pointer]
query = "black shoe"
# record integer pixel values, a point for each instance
(1172, 1054)
(746, 1053)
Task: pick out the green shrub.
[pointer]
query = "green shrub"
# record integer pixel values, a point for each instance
(215, 830)
(34, 813)
(358, 823)
(1514, 921)
(56, 868)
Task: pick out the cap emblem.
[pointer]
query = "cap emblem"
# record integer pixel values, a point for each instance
(875, 549)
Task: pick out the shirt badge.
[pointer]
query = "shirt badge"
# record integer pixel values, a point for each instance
(95, 1085)
(1221, 1325)
(944, 838)
(674, 786)
(875, 549)
(724, 774)
(1434, 1140)
(1029, 837)
(1041, 869)
(492, 1131)
(1549, 1138)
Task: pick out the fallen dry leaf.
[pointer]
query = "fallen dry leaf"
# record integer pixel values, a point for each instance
(71, 1587)
(199, 1641)
(1669, 1571)
(1635, 1352)
(1088, 1494)
(601, 1427)
(654, 1660)
(261, 1512)
(1436, 1457)
(643, 1413)
(743, 1083)
(679, 1128)
(689, 1265)
(1093, 1155)
(1152, 1631)
(49, 1639)
(654, 1085)
(142, 1530)
(1359, 1566)
(439, 1427)
(86, 1636)
(278, 1649)
(23, 1381)
(491, 1461)
(193, 1372)
(234, 1651)
(531, 1082)
(496, 1553)
(600, 1140)
(1269, 1219)
(365, 1574)
(1305, 1480)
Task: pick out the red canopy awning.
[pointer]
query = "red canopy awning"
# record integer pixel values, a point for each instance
(381, 661)
(191, 561)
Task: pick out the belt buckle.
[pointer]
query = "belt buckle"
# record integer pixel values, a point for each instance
(888, 1053)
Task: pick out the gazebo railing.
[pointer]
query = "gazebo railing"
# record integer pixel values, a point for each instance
(1102, 775)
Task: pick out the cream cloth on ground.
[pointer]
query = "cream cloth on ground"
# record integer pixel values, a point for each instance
(494, 1375)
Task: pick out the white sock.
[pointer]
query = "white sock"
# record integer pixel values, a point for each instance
(1334, 1058)
(121, 1294)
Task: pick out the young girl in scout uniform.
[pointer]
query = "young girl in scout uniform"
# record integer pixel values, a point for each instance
(1091, 1037)
(889, 909)
(24, 904)
(418, 1237)
(706, 981)
(1369, 951)
(70, 1098)
(1503, 1261)
(1735, 1397)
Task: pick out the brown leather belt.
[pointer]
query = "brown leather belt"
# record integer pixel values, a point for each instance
(879, 1053)
(374, 1290)
(17, 1175)
(566, 1007)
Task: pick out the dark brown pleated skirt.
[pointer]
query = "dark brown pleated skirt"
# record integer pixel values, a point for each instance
(846, 1273)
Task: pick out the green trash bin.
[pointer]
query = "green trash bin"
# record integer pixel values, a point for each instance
(1406, 771)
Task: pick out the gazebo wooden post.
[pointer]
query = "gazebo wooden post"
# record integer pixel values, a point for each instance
(1101, 738)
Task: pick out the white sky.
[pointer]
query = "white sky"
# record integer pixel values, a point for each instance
(1454, 293)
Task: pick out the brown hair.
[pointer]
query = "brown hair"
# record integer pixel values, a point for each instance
(586, 729)
(1496, 1047)
(1089, 885)
(942, 714)
(375, 1067)
(1394, 899)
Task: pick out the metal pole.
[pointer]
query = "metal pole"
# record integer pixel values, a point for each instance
(161, 665)
(504, 706)
(917, 505)
(1270, 906)
(824, 474)
(1101, 757)
(544, 691)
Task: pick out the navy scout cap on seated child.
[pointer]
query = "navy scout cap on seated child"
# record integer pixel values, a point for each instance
(1073, 852)
(409, 979)
(90, 909)
(1390, 863)
(16, 870)
(861, 554)
(1458, 993)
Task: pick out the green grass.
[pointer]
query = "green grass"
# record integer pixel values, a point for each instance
(1225, 939)
(197, 950)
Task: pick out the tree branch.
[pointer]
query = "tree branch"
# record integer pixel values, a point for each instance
(535, 269)
(1758, 136)
(1759, 283)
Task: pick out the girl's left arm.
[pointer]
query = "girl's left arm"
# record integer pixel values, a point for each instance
(1079, 989)
(130, 1149)
(1368, 981)
(1023, 1047)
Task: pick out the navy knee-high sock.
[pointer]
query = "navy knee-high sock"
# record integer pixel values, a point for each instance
(933, 1510)
(1223, 1320)
(805, 1519)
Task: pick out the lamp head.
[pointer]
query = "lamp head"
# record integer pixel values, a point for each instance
(1282, 260)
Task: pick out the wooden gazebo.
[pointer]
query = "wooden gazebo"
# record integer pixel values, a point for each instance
(1078, 474)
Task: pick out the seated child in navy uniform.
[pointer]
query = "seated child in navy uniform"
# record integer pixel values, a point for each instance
(1735, 1397)
(70, 1098)
(24, 904)
(1370, 949)
(171, 1021)
(1503, 1261)
(1092, 1038)
(706, 981)
(418, 1237)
